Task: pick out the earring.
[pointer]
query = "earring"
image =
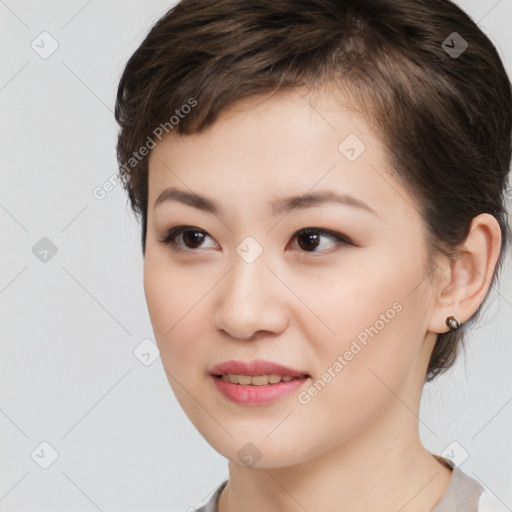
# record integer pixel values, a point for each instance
(452, 323)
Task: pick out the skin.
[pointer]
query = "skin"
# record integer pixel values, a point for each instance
(355, 446)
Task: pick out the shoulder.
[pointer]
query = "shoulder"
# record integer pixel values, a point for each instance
(464, 492)
(489, 503)
(212, 504)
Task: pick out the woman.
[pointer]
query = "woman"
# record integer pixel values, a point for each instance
(321, 189)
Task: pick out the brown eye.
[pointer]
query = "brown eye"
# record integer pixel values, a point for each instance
(192, 238)
(309, 239)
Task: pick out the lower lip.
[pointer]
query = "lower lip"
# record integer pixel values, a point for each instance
(251, 394)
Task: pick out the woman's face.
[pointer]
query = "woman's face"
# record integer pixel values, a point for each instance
(241, 284)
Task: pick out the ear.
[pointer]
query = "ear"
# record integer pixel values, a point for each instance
(465, 281)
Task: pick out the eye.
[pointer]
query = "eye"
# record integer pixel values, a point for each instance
(192, 237)
(311, 237)
(308, 238)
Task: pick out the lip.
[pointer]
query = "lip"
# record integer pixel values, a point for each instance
(255, 367)
(251, 395)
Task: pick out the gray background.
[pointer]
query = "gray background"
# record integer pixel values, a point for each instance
(70, 325)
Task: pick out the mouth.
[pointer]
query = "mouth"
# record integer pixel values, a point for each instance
(258, 372)
(250, 390)
(258, 380)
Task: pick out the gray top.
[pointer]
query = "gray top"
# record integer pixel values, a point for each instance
(461, 495)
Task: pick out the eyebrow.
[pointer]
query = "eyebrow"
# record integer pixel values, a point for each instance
(278, 207)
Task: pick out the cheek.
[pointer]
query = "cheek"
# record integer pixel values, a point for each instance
(374, 335)
(179, 316)
(174, 301)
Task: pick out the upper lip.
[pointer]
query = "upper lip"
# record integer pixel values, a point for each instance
(255, 367)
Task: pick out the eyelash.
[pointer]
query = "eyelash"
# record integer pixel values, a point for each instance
(168, 239)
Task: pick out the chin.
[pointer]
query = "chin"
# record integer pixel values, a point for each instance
(258, 450)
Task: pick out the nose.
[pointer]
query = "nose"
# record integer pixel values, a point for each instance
(252, 301)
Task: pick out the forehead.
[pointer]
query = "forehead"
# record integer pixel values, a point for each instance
(276, 145)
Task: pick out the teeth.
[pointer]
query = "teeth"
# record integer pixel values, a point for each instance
(257, 380)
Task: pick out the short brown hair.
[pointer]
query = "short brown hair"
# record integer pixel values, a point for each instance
(445, 119)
